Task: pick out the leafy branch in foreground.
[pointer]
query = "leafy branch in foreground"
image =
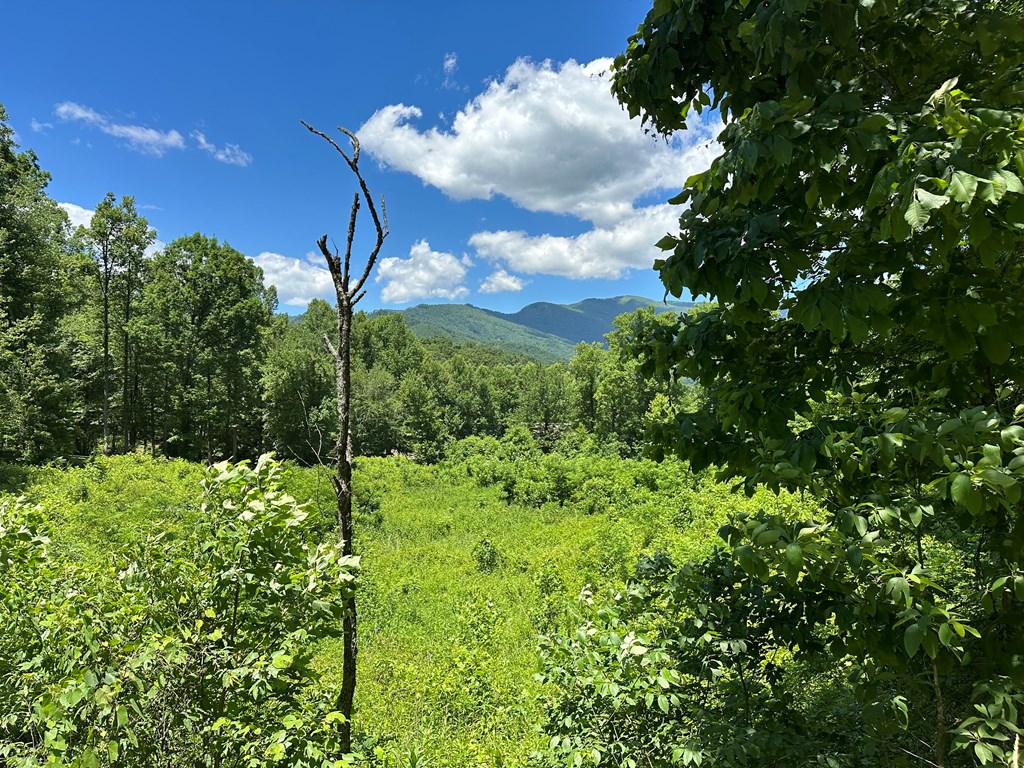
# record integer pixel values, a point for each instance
(193, 652)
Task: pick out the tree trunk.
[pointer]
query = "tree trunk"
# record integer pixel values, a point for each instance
(941, 738)
(343, 493)
(126, 389)
(106, 355)
(348, 295)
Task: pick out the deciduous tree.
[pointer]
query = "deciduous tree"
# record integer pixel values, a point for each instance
(117, 237)
(38, 396)
(863, 235)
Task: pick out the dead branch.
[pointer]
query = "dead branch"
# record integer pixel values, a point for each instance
(340, 268)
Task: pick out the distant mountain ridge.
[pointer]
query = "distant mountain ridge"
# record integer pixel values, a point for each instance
(544, 331)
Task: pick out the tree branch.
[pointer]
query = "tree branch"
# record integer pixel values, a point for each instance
(380, 221)
(330, 347)
(351, 237)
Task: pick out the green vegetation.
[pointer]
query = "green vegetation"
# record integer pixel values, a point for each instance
(824, 566)
(163, 649)
(863, 236)
(461, 322)
(541, 331)
(471, 560)
(588, 320)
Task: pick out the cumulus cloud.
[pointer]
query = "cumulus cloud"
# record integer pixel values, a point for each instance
(426, 274)
(231, 154)
(297, 281)
(549, 138)
(80, 217)
(502, 282)
(601, 252)
(39, 127)
(140, 138)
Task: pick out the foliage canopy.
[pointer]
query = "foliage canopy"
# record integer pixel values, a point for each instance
(862, 233)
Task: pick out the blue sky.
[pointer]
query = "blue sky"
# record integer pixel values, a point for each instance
(510, 173)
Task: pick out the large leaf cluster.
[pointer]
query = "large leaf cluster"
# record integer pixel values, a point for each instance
(862, 235)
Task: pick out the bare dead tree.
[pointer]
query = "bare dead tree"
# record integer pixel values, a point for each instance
(348, 293)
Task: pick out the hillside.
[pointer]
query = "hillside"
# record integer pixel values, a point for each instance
(544, 331)
(588, 320)
(464, 322)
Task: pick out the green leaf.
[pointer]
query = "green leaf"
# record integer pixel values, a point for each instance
(1011, 181)
(929, 201)
(916, 215)
(996, 348)
(992, 456)
(997, 479)
(962, 186)
(281, 661)
(854, 555)
(795, 555)
(960, 489)
(945, 634)
(912, 638)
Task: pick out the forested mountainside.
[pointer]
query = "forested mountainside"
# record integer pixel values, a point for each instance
(462, 322)
(588, 320)
(543, 331)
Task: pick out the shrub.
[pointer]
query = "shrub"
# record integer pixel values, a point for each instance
(191, 651)
(486, 556)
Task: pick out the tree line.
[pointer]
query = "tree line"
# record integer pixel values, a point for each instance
(106, 346)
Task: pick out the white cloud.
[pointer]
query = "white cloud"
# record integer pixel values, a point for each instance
(451, 63)
(39, 127)
(80, 217)
(601, 252)
(502, 282)
(548, 138)
(231, 154)
(140, 138)
(155, 247)
(297, 281)
(426, 274)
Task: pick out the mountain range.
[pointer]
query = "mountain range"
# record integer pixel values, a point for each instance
(543, 331)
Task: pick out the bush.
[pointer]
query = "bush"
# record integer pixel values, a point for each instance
(190, 651)
(486, 556)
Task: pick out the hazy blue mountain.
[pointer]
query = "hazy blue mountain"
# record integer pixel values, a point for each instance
(542, 331)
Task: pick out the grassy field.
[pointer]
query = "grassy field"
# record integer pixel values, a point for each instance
(457, 582)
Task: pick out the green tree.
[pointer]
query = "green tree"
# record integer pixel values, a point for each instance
(194, 651)
(298, 384)
(38, 395)
(863, 235)
(117, 237)
(585, 374)
(207, 316)
(424, 430)
(545, 403)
